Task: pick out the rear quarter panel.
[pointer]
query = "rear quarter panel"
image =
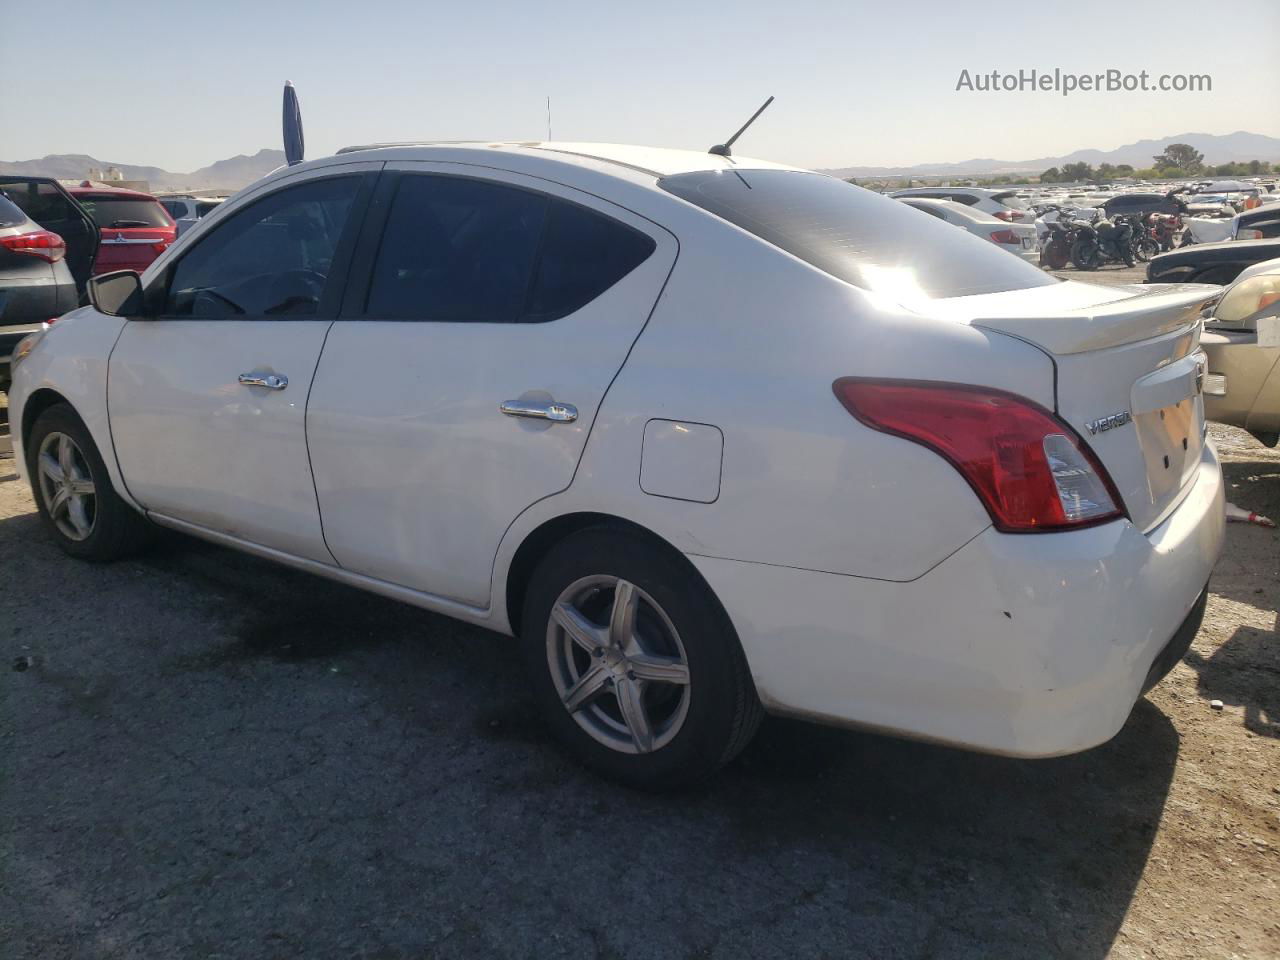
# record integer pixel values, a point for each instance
(749, 340)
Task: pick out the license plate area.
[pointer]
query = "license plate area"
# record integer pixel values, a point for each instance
(1171, 440)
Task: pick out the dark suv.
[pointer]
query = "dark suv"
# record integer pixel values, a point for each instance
(48, 243)
(1140, 204)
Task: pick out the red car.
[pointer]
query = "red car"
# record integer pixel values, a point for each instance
(135, 228)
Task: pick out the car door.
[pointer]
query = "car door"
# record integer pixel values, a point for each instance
(48, 203)
(207, 398)
(461, 382)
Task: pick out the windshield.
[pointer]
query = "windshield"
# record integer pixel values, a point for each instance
(118, 212)
(863, 238)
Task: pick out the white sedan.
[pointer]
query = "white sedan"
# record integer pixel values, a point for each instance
(711, 436)
(1020, 239)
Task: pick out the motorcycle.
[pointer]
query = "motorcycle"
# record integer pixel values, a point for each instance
(1164, 229)
(1103, 242)
(1142, 242)
(1055, 250)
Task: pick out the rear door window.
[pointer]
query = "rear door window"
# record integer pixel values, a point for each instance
(269, 259)
(42, 202)
(462, 250)
(863, 238)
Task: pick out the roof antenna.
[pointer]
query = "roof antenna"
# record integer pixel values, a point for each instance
(723, 149)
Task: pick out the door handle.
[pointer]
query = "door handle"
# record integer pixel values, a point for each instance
(556, 412)
(272, 381)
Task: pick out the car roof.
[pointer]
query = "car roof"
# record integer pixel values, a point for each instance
(81, 190)
(960, 208)
(977, 191)
(650, 161)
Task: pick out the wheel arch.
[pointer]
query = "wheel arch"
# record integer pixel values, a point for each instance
(543, 538)
(36, 404)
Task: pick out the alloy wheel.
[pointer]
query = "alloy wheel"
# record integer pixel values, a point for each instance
(66, 486)
(618, 664)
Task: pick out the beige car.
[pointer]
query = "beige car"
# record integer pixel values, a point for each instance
(1242, 341)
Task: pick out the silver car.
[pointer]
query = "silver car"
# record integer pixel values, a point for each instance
(1242, 341)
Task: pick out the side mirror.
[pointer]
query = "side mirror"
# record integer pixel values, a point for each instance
(117, 294)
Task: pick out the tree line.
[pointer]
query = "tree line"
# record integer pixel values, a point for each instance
(1179, 160)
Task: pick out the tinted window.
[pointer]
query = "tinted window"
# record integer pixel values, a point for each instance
(925, 208)
(473, 251)
(1267, 222)
(205, 207)
(111, 211)
(855, 235)
(176, 208)
(456, 250)
(271, 258)
(584, 253)
(42, 202)
(10, 215)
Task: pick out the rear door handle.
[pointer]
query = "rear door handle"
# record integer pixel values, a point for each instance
(272, 381)
(556, 412)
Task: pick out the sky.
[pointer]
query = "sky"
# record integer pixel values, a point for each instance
(178, 84)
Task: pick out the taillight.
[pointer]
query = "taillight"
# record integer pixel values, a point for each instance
(1004, 236)
(1245, 234)
(160, 246)
(1005, 215)
(1030, 469)
(39, 243)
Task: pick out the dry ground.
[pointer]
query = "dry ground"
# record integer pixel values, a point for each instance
(203, 755)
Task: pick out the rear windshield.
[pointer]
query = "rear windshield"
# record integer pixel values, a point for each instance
(10, 215)
(863, 238)
(118, 212)
(1011, 200)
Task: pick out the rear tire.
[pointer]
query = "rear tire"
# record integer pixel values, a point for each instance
(657, 697)
(74, 494)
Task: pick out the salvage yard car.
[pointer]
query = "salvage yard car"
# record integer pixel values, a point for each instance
(37, 284)
(711, 436)
(1016, 238)
(1211, 262)
(1242, 343)
(135, 228)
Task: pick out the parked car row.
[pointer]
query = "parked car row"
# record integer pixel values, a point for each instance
(57, 237)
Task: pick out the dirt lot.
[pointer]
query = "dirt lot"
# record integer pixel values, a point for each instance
(203, 755)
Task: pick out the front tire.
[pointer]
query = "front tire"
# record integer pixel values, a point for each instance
(73, 491)
(1086, 255)
(634, 663)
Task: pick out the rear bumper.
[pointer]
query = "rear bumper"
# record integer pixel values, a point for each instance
(1022, 645)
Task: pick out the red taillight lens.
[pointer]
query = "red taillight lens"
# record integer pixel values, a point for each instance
(1004, 236)
(1005, 215)
(1030, 469)
(160, 246)
(39, 243)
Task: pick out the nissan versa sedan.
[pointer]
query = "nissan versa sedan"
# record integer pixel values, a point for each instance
(710, 436)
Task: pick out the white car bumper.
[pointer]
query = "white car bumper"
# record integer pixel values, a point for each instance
(1033, 645)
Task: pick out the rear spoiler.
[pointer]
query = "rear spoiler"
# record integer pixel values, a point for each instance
(1157, 310)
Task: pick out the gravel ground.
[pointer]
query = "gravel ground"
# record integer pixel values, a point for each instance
(203, 755)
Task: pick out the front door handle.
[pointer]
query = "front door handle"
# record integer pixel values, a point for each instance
(556, 412)
(272, 381)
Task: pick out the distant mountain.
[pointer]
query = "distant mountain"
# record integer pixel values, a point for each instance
(1225, 148)
(230, 174)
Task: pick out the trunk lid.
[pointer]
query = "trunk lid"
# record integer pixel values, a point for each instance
(1129, 375)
